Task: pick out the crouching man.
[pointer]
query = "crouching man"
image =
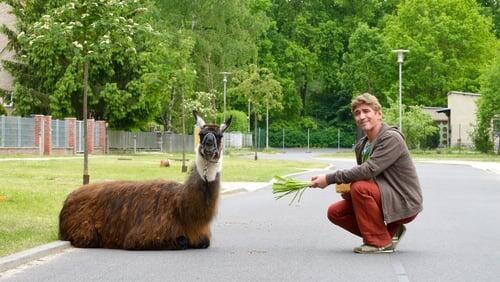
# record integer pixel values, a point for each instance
(385, 192)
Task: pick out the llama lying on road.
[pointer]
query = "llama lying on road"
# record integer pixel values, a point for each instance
(151, 214)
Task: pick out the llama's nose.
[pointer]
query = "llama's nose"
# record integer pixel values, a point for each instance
(209, 143)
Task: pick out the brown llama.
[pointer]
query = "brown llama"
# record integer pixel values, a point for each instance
(149, 215)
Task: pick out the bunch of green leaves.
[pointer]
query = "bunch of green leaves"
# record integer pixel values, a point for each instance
(283, 186)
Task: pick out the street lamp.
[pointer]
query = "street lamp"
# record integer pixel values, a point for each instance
(401, 56)
(225, 73)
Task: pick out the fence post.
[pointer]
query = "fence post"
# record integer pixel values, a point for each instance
(101, 128)
(47, 135)
(308, 151)
(90, 135)
(2, 131)
(2, 138)
(338, 140)
(71, 133)
(283, 129)
(135, 144)
(18, 132)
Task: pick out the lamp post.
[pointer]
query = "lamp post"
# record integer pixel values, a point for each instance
(225, 74)
(401, 56)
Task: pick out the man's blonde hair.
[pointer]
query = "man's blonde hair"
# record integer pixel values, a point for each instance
(366, 99)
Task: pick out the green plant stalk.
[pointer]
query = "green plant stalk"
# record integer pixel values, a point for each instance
(285, 186)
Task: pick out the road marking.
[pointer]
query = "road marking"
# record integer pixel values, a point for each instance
(399, 269)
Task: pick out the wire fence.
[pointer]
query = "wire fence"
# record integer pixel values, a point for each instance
(59, 134)
(67, 137)
(166, 141)
(17, 132)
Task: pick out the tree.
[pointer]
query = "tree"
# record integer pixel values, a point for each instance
(114, 41)
(488, 105)
(262, 91)
(96, 37)
(449, 42)
(418, 126)
(366, 63)
(491, 8)
(177, 76)
(224, 34)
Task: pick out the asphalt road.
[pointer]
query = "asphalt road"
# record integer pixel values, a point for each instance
(255, 238)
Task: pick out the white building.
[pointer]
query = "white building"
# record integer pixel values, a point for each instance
(5, 78)
(461, 117)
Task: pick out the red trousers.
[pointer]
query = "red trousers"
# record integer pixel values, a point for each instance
(361, 214)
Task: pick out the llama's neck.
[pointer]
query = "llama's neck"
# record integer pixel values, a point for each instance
(208, 169)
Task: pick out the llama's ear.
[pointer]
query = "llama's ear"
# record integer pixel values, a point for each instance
(226, 124)
(199, 121)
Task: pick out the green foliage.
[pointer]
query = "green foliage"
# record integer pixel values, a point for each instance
(418, 127)
(224, 33)
(3, 111)
(367, 63)
(449, 42)
(491, 8)
(258, 86)
(239, 121)
(431, 141)
(116, 40)
(296, 134)
(488, 106)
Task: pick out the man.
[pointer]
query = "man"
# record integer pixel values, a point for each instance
(385, 193)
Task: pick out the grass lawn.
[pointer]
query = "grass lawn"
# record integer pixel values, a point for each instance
(32, 191)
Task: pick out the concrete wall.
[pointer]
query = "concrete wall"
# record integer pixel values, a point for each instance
(462, 118)
(8, 19)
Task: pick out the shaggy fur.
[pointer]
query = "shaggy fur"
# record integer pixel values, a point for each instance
(149, 214)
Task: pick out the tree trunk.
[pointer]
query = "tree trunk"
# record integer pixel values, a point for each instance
(86, 176)
(255, 126)
(168, 126)
(303, 94)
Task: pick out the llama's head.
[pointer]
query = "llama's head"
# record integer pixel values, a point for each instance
(210, 138)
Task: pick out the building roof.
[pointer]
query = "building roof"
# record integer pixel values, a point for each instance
(462, 93)
(436, 113)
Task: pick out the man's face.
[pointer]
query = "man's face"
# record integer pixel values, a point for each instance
(366, 118)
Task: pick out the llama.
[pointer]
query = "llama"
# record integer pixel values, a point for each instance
(150, 215)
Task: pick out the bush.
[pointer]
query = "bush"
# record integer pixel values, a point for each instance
(3, 111)
(239, 122)
(481, 138)
(318, 138)
(431, 141)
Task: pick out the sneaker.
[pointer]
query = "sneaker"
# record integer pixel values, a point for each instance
(398, 235)
(370, 249)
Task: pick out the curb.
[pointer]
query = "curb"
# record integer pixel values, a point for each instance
(35, 253)
(233, 191)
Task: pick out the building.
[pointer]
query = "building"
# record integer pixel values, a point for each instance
(6, 81)
(461, 116)
(441, 120)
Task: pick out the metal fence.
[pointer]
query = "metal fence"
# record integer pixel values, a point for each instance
(17, 132)
(148, 141)
(59, 134)
(79, 136)
(166, 142)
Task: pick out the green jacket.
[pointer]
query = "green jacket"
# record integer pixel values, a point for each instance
(391, 166)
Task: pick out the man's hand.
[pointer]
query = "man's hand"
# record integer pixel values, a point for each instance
(319, 181)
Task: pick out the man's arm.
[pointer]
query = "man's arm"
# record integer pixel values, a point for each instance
(386, 152)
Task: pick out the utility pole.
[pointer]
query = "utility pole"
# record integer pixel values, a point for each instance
(225, 74)
(400, 53)
(86, 176)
